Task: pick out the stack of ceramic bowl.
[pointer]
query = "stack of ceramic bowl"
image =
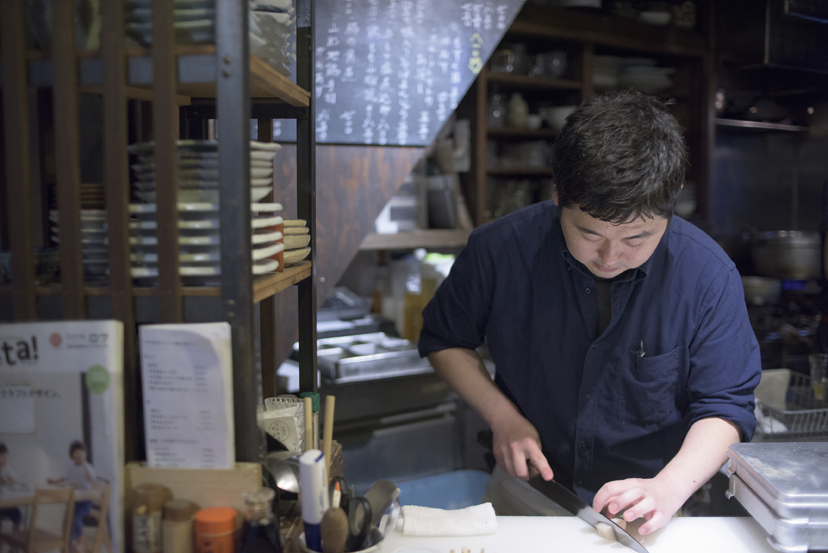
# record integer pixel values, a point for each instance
(200, 242)
(93, 242)
(296, 241)
(198, 171)
(195, 23)
(276, 19)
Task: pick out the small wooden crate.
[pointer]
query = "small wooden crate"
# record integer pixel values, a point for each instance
(204, 487)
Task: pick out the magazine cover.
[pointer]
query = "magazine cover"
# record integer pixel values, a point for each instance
(61, 426)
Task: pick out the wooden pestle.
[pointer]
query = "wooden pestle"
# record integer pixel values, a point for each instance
(334, 530)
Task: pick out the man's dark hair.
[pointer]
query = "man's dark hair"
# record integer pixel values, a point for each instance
(76, 445)
(620, 155)
(3, 449)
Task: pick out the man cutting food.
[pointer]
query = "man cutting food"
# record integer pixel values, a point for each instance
(625, 362)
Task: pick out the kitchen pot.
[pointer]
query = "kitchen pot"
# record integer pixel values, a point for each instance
(760, 290)
(787, 254)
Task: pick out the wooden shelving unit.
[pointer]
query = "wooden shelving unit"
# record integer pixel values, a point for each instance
(583, 35)
(433, 238)
(505, 133)
(264, 286)
(229, 81)
(524, 82)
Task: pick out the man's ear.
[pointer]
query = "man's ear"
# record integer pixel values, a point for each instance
(555, 197)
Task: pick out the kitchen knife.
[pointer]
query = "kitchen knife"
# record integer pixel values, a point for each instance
(578, 507)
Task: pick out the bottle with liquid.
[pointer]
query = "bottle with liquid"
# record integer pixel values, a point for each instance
(261, 527)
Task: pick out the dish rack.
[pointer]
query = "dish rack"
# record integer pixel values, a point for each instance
(804, 417)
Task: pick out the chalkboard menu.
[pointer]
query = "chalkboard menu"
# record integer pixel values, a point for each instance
(390, 72)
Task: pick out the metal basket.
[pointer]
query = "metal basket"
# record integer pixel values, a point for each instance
(804, 417)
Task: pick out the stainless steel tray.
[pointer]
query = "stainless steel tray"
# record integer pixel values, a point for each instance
(796, 535)
(366, 356)
(791, 478)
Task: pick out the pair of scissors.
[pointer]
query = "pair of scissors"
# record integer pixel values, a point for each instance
(358, 510)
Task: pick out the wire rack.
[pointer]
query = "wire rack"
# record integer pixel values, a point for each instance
(804, 417)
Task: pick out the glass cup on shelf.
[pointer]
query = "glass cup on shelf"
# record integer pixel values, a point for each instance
(819, 364)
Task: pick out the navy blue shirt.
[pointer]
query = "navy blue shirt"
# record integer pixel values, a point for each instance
(601, 415)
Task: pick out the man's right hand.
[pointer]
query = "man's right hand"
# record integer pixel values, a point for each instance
(517, 449)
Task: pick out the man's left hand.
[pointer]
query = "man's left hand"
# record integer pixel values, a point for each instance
(638, 497)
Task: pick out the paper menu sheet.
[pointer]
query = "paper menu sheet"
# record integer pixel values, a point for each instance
(187, 378)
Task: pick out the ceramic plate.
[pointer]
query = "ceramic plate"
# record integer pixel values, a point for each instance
(207, 174)
(145, 14)
(296, 241)
(265, 207)
(295, 230)
(150, 272)
(201, 184)
(295, 222)
(266, 237)
(205, 224)
(95, 254)
(264, 222)
(296, 255)
(264, 253)
(196, 195)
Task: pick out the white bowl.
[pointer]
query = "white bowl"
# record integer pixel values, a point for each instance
(296, 241)
(556, 117)
(685, 208)
(655, 18)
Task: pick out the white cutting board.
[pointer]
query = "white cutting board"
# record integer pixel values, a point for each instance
(569, 534)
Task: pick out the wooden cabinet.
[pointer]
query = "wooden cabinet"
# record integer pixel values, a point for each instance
(583, 36)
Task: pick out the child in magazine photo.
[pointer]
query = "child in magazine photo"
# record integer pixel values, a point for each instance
(81, 476)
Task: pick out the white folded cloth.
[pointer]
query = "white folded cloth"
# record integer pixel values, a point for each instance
(477, 520)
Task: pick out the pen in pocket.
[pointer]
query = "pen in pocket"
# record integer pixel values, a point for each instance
(639, 355)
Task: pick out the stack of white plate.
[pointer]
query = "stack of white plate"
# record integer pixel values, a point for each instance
(194, 21)
(93, 241)
(297, 239)
(198, 172)
(200, 243)
(642, 74)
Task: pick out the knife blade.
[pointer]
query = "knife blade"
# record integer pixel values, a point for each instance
(578, 507)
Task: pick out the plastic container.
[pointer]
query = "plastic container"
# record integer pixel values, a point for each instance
(177, 528)
(148, 502)
(215, 530)
(784, 486)
(450, 490)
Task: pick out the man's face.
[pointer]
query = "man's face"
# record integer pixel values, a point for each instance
(607, 249)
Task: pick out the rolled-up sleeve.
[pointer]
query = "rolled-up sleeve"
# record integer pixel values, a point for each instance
(725, 364)
(458, 314)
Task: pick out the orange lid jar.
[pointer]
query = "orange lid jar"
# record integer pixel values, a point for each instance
(215, 530)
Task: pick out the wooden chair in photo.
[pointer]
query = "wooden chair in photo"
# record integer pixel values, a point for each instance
(35, 539)
(98, 518)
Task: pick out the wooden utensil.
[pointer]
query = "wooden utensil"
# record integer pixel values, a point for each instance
(334, 530)
(308, 423)
(327, 437)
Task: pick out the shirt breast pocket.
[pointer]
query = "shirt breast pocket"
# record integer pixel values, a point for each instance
(647, 387)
